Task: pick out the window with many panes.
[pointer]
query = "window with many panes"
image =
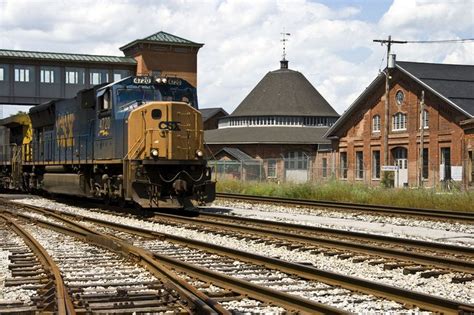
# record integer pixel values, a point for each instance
(343, 164)
(376, 123)
(399, 121)
(46, 76)
(22, 75)
(297, 160)
(272, 169)
(376, 164)
(359, 165)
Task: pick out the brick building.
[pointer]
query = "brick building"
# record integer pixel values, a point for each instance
(280, 125)
(31, 77)
(431, 108)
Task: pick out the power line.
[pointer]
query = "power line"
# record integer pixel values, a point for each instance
(462, 40)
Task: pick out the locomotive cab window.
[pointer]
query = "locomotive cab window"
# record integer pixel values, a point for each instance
(104, 101)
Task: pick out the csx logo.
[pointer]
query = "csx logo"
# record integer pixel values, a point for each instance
(169, 125)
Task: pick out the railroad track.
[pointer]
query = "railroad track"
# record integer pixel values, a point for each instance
(378, 209)
(89, 278)
(357, 286)
(336, 241)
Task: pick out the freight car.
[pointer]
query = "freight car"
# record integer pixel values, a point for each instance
(137, 140)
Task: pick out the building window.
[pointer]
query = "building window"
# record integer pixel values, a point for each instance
(95, 78)
(343, 164)
(445, 164)
(22, 75)
(426, 119)
(359, 165)
(72, 77)
(376, 164)
(272, 169)
(399, 122)
(325, 167)
(425, 163)
(399, 97)
(296, 161)
(2, 74)
(376, 123)
(46, 76)
(117, 77)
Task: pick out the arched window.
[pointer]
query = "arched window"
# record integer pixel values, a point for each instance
(399, 121)
(376, 123)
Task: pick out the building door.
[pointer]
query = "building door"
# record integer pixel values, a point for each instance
(400, 156)
(445, 167)
(296, 167)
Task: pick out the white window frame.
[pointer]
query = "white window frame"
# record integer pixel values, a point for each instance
(22, 75)
(94, 76)
(272, 168)
(399, 122)
(72, 77)
(46, 76)
(2, 74)
(376, 123)
(343, 166)
(426, 119)
(117, 77)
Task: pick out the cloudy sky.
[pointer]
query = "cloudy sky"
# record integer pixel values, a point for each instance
(330, 42)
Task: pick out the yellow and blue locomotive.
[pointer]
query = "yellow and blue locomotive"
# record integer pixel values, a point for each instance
(139, 139)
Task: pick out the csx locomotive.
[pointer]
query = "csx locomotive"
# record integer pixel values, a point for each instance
(137, 140)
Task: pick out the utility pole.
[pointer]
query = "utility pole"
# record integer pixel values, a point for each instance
(422, 133)
(389, 43)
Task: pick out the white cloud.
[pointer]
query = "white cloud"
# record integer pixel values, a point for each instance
(332, 48)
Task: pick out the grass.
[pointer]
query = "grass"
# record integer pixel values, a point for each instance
(355, 192)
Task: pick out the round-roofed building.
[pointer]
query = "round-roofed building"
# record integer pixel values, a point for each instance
(280, 125)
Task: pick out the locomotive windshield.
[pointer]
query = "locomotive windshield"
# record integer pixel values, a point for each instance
(137, 93)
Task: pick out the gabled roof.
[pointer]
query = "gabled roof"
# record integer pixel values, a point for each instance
(455, 83)
(163, 38)
(452, 83)
(210, 112)
(284, 92)
(66, 57)
(266, 135)
(236, 154)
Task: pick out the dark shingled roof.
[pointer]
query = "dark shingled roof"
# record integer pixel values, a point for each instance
(454, 82)
(284, 92)
(235, 153)
(209, 112)
(163, 38)
(266, 135)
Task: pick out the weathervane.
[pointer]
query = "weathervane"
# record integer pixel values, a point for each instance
(284, 40)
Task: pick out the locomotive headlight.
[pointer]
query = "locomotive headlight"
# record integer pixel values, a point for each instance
(164, 80)
(158, 80)
(199, 153)
(154, 152)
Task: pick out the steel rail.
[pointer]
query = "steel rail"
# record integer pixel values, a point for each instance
(64, 304)
(285, 300)
(407, 297)
(427, 213)
(202, 303)
(274, 229)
